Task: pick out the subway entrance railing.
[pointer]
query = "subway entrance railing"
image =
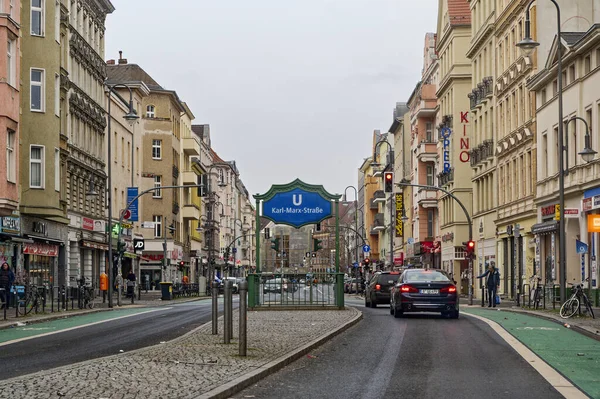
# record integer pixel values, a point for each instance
(295, 290)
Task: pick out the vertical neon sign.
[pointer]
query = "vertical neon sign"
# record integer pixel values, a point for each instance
(446, 132)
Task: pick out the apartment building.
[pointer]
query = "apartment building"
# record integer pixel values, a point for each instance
(454, 124)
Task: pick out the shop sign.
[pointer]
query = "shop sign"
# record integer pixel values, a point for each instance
(40, 249)
(399, 214)
(571, 213)
(40, 228)
(596, 200)
(11, 225)
(448, 237)
(410, 250)
(87, 224)
(548, 211)
(464, 155)
(100, 226)
(586, 204)
(446, 133)
(593, 222)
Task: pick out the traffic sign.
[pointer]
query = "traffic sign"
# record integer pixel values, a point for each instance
(410, 241)
(355, 264)
(126, 214)
(147, 225)
(234, 250)
(366, 248)
(132, 192)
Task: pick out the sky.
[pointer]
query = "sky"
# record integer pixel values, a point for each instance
(290, 88)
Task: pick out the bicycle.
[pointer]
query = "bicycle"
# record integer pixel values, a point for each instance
(572, 305)
(32, 299)
(535, 295)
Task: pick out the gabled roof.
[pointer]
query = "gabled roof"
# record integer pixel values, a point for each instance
(459, 12)
(568, 40)
(129, 73)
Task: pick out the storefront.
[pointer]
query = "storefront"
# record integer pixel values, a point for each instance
(40, 263)
(86, 251)
(151, 270)
(10, 230)
(590, 207)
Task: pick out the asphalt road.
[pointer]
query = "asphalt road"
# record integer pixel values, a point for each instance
(104, 339)
(419, 356)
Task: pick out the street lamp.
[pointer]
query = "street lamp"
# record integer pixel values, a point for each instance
(587, 154)
(528, 45)
(130, 117)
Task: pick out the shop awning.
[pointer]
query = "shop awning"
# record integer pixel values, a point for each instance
(545, 227)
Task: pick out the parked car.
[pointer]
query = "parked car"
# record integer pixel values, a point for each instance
(377, 291)
(234, 287)
(425, 290)
(353, 286)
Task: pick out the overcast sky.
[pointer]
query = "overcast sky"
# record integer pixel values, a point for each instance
(290, 88)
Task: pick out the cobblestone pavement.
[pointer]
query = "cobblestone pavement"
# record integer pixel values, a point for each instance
(195, 365)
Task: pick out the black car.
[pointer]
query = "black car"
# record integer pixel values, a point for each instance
(377, 290)
(425, 290)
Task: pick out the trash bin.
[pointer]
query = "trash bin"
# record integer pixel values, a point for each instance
(166, 291)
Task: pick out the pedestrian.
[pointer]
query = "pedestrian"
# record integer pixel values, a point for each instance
(492, 283)
(6, 280)
(130, 283)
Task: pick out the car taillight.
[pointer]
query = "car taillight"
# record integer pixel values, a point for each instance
(451, 289)
(377, 287)
(408, 288)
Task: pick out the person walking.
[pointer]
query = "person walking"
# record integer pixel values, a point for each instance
(130, 283)
(7, 277)
(492, 283)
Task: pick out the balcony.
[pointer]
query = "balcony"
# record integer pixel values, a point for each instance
(378, 196)
(189, 177)
(482, 152)
(190, 212)
(426, 152)
(446, 177)
(481, 93)
(427, 198)
(378, 224)
(191, 146)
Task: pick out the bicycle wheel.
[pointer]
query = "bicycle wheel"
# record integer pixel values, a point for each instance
(26, 304)
(569, 308)
(537, 298)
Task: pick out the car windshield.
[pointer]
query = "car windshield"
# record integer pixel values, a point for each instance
(387, 279)
(425, 275)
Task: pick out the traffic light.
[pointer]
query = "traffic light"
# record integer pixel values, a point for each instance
(267, 233)
(180, 265)
(469, 248)
(388, 182)
(317, 244)
(275, 244)
(366, 262)
(171, 228)
(121, 247)
(318, 227)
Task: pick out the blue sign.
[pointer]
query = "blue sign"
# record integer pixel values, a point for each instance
(366, 248)
(234, 250)
(445, 132)
(355, 264)
(132, 192)
(297, 207)
(582, 247)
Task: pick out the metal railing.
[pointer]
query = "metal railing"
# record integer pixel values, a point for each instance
(301, 290)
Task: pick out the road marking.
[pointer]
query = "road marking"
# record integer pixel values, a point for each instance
(14, 341)
(560, 383)
(539, 328)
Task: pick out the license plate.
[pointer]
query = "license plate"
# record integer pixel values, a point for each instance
(430, 292)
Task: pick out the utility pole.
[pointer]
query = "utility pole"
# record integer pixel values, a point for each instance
(164, 265)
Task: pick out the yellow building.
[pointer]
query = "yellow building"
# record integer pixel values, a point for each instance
(454, 124)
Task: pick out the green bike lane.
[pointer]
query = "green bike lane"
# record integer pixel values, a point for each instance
(572, 354)
(29, 331)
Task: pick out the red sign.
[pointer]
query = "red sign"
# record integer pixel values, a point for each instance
(587, 204)
(88, 224)
(40, 249)
(399, 260)
(151, 257)
(548, 211)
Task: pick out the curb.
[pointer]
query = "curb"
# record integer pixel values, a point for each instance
(66, 314)
(574, 327)
(232, 387)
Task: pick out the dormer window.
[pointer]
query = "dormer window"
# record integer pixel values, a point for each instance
(150, 112)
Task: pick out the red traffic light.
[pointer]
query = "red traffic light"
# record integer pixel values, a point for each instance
(366, 261)
(471, 245)
(389, 176)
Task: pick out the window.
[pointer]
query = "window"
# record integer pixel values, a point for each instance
(57, 169)
(11, 160)
(429, 223)
(587, 64)
(57, 94)
(430, 176)
(156, 149)
(571, 73)
(36, 166)
(37, 90)
(10, 62)
(150, 111)
(37, 18)
(429, 132)
(157, 184)
(554, 88)
(157, 225)
(57, 22)
(221, 177)
(543, 96)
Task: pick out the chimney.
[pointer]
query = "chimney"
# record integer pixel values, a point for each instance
(110, 62)
(122, 60)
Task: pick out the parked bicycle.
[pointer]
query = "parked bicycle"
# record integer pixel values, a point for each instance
(536, 293)
(573, 304)
(87, 297)
(32, 299)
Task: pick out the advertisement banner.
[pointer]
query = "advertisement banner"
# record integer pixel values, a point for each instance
(399, 214)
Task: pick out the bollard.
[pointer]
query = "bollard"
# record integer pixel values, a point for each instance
(230, 310)
(140, 292)
(227, 312)
(243, 289)
(214, 291)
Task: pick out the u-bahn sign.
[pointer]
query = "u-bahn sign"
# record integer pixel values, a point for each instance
(297, 203)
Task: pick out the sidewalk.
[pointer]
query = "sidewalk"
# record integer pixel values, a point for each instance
(148, 300)
(196, 365)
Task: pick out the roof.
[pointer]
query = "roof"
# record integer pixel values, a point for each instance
(130, 73)
(572, 37)
(215, 157)
(459, 12)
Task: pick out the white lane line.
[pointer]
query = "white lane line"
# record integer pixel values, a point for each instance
(560, 383)
(14, 341)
